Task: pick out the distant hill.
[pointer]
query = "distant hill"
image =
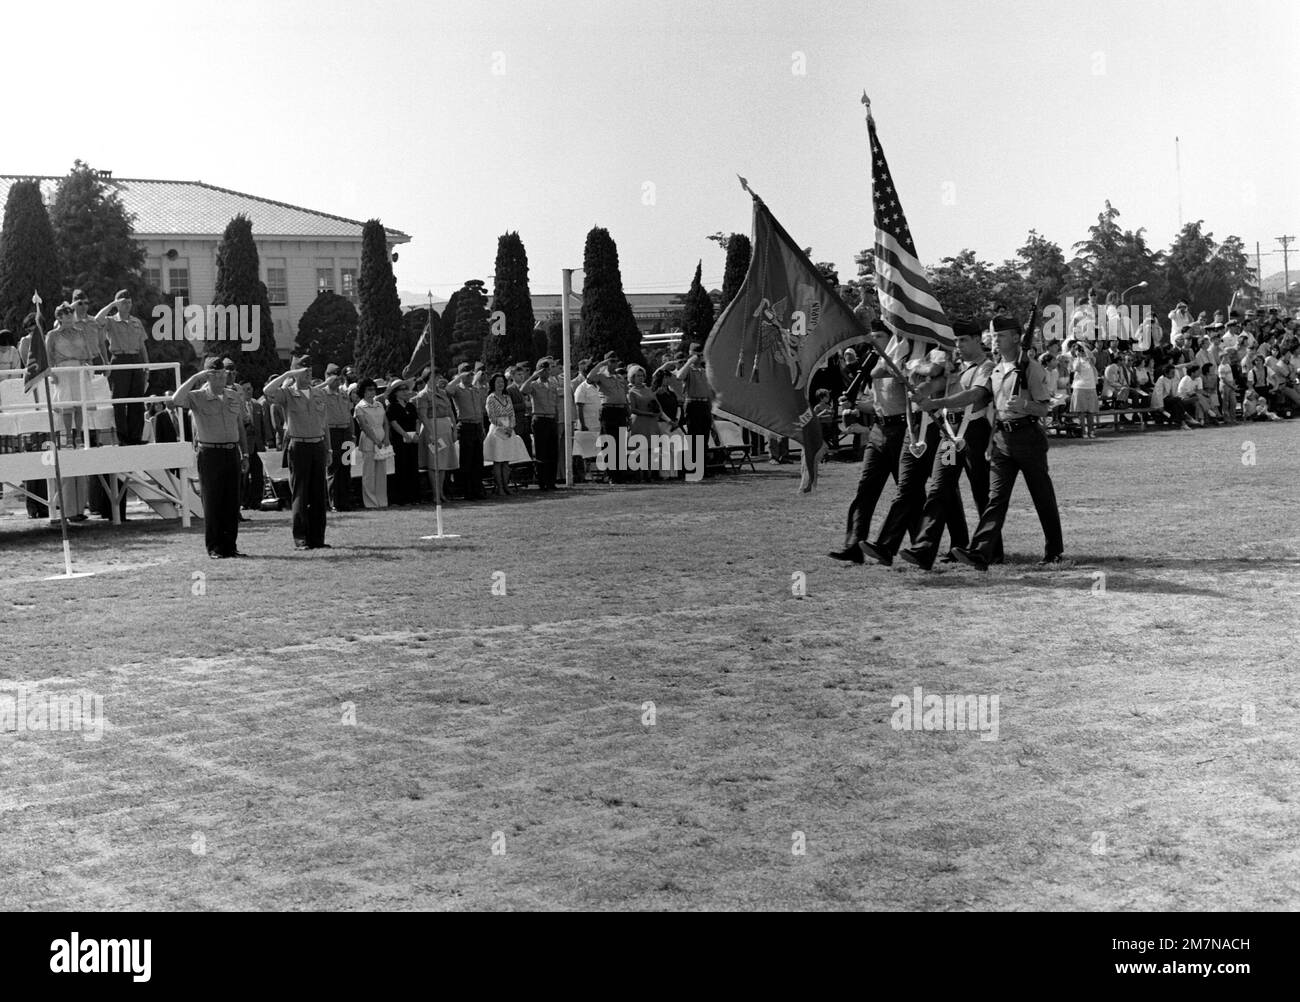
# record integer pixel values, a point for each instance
(412, 300)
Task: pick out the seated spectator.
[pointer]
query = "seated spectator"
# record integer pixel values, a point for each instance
(1255, 408)
(1190, 393)
(825, 414)
(1165, 401)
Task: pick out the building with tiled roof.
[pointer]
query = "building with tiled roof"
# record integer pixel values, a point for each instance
(648, 308)
(179, 223)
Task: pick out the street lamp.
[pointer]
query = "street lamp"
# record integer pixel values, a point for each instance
(1124, 294)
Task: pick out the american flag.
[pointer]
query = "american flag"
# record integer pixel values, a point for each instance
(907, 304)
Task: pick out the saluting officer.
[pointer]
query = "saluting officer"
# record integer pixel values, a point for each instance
(308, 449)
(1022, 393)
(127, 345)
(884, 443)
(217, 413)
(970, 395)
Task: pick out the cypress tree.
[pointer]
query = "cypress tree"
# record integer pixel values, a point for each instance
(607, 320)
(328, 330)
(381, 337)
(238, 284)
(739, 251)
(510, 296)
(471, 327)
(697, 311)
(92, 232)
(29, 258)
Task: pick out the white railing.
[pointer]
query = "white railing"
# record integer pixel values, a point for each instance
(86, 405)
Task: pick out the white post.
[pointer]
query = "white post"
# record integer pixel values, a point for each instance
(567, 290)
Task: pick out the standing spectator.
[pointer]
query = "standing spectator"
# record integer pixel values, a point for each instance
(372, 421)
(1147, 338)
(1083, 321)
(1118, 329)
(404, 434)
(67, 345)
(646, 415)
(699, 400)
(8, 354)
(469, 430)
(1179, 317)
(1227, 387)
(338, 413)
(669, 390)
(437, 423)
(542, 389)
(497, 446)
(586, 399)
(1084, 389)
(516, 377)
(256, 426)
(613, 407)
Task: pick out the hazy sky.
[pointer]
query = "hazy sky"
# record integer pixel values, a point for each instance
(457, 122)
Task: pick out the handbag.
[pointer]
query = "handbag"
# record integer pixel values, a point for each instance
(384, 452)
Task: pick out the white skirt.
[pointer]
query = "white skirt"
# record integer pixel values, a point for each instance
(498, 447)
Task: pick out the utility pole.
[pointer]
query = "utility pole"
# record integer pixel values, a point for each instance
(1259, 274)
(1286, 271)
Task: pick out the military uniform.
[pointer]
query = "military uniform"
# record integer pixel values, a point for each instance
(1019, 447)
(127, 346)
(942, 492)
(469, 429)
(545, 397)
(308, 456)
(879, 460)
(220, 440)
(914, 470)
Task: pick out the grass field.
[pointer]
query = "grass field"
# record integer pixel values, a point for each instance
(1146, 753)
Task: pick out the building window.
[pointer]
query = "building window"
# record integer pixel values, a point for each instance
(324, 275)
(153, 273)
(178, 277)
(348, 272)
(277, 282)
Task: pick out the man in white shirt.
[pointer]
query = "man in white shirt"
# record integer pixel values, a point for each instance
(1164, 397)
(1189, 392)
(1179, 317)
(1083, 322)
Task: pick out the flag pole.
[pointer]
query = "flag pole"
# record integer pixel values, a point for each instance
(433, 403)
(567, 290)
(58, 470)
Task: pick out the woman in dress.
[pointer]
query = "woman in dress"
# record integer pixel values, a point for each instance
(65, 345)
(437, 432)
(643, 406)
(1084, 390)
(372, 422)
(499, 447)
(404, 434)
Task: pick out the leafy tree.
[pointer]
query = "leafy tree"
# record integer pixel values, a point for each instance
(328, 331)
(607, 320)
(828, 272)
(555, 336)
(540, 346)
(29, 258)
(511, 297)
(382, 346)
(964, 285)
(471, 327)
(1043, 267)
(739, 251)
(1206, 274)
(238, 285)
(1113, 259)
(697, 311)
(92, 232)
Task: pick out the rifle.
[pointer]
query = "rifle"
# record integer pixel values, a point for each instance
(1027, 345)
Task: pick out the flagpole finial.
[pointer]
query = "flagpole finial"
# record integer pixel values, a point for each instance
(36, 297)
(866, 103)
(744, 184)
